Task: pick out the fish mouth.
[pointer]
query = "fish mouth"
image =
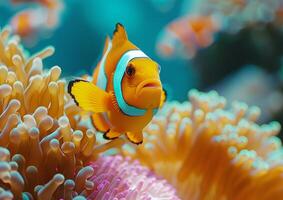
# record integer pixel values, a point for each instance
(150, 84)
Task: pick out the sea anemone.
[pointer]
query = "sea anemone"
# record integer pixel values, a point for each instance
(45, 147)
(116, 177)
(210, 152)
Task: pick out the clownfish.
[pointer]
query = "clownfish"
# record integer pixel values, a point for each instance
(41, 19)
(126, 90)
(186, 35)
(29, 21)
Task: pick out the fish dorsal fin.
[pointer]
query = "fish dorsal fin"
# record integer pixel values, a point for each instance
(107, 42)
(119, 35)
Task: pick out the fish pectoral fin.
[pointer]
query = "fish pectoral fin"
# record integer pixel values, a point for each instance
(88, 96)
(135, 137)
(111, 135)
(163, 98)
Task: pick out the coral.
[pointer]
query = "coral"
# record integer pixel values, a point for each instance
(45, 147)
(208, 151)
(116, 177)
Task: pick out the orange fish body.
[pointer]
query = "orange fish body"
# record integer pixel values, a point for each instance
(21, 24)
(128, 86)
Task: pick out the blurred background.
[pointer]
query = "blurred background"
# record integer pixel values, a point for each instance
(232, 46)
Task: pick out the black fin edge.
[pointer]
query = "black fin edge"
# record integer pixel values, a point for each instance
(108, 138)
(137, 143)
(116, 27)
(165, 93)
(93, 124)
(70, 85)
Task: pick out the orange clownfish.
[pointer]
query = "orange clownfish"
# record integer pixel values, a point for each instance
(186, 35)
(126, 90)
(32, 21)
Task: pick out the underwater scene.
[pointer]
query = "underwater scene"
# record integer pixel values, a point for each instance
(141, 99)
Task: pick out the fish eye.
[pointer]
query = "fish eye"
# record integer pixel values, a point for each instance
(130, 70)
